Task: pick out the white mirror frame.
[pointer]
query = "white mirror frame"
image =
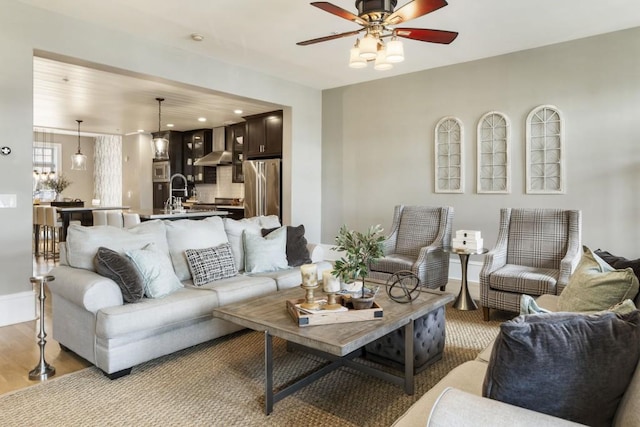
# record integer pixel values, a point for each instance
(494, 154)
(449, 156)
(545, 151)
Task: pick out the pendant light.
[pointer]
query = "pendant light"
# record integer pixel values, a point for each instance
(79, 160)
(160, 144)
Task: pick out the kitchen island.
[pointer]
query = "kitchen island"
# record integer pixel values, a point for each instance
(148, 214)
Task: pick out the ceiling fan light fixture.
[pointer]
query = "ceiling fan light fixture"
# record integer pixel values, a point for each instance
(395, 51)
(381, 63)
(368, 47)
(79, 160)
(355, 60)
(160, 144)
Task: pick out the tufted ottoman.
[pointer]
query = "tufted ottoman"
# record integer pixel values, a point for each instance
(428, 343)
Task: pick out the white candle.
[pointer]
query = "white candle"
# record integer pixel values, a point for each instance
(309, 274)
(330, 284)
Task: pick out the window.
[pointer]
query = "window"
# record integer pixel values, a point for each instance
(46, 161)
(545, 151)
(449, 166)
(494, 158)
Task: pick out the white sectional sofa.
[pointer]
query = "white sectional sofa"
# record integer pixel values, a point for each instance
(457, 399)
(91, 318)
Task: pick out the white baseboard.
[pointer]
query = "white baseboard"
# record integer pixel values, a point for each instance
(17, 308)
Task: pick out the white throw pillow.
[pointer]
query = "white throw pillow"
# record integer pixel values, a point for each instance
(83, 242)
(156, 270)
(186, 234)
(234, 229)
(269, 253)
(269, 221)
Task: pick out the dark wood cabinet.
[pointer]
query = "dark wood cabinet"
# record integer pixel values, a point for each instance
(196, 144)
(176, 154)
(263, 136)
(235, 143)
(160, 194)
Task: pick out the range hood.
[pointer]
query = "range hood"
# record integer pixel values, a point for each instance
(219, 155)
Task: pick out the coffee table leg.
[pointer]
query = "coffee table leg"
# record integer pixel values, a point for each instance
(408, 358)
(268, 373)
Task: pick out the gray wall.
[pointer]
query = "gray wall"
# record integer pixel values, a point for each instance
(378, 139)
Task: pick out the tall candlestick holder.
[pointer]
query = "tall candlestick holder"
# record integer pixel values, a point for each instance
(43, 370)
(309, 274)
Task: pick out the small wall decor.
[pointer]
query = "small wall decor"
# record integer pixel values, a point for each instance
(449, 158)
(545, 151)
(494, 154)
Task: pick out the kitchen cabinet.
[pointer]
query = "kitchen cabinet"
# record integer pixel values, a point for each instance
(160, 194)
(175, 138)
(197, 143)
(263, 135)
(235, 143)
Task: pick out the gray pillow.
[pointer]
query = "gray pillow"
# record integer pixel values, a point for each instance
(120, 269)
(297, 251)
(211, 264)
(574, 366)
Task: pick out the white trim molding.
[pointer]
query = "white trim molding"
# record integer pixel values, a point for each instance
(17, 308)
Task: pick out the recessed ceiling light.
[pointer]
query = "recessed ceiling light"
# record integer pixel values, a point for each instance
(237, 111)
(197, 37)
(202, 119)
(170, 125)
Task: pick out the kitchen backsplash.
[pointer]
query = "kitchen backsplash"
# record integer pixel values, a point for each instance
(224, 187)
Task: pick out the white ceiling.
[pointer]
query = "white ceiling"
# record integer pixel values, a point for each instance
(261, 35)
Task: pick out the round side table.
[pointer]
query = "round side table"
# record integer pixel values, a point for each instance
(43, 370)
(464, 300)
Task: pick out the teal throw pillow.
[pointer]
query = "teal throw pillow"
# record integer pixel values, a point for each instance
(157, 271)
(263, 254)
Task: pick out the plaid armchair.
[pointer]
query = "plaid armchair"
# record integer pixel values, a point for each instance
(536, 252)
(418, 234)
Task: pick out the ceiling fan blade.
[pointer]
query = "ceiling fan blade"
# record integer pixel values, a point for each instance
(414, 9)
(424, 35)
(338, 11)
(327, 38)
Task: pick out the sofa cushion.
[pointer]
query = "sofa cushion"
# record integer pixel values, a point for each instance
(211, 264)
(291, 278)
(83, 242)
(121, 270)
(524, 280)
(241, 288)
(595, 285)
(571, 365)
(186, 234)
(265, 253)
(297, 251)
(156, 270)
(234, 229)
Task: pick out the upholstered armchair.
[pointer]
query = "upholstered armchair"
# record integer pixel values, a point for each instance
(536, 252)
(418, 234)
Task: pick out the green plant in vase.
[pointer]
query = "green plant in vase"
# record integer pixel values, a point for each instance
(359, 249)
(57, 183)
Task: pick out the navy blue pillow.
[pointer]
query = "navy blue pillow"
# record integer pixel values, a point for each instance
(570, 365)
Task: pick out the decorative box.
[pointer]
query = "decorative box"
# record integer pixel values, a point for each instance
(470, 244)
(468, 235)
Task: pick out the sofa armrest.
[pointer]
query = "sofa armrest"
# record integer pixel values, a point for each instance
(458, 408)
(85, 288)
(316, 252)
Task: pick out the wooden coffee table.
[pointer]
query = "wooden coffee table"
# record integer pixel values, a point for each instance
(338, 343)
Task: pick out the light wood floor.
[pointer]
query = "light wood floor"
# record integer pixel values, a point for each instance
(19, 350)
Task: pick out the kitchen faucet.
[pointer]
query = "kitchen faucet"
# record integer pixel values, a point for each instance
(174, 203)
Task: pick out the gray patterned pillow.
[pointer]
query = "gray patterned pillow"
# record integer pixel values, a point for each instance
(120, 269)
(211, 264)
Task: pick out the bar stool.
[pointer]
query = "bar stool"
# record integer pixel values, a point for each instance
(130, 219)
(53, 226)
(41, 230)
(99, 217)
(114, 219)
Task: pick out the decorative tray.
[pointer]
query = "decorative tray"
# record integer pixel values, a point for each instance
(326, 317)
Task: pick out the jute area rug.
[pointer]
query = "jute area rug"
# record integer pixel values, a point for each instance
(220, 383)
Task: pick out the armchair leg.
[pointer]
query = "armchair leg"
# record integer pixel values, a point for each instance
(485, 314)
(443, 288)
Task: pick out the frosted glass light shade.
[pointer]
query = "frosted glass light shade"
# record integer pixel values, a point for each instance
(368, 47)
(381, 63)
(160, 148)
(355, 60)
(395, 51)
(79, 162)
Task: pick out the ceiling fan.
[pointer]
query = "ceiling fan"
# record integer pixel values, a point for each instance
(378, 17)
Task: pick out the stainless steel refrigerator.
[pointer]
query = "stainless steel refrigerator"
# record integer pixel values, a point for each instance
(262, 183)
